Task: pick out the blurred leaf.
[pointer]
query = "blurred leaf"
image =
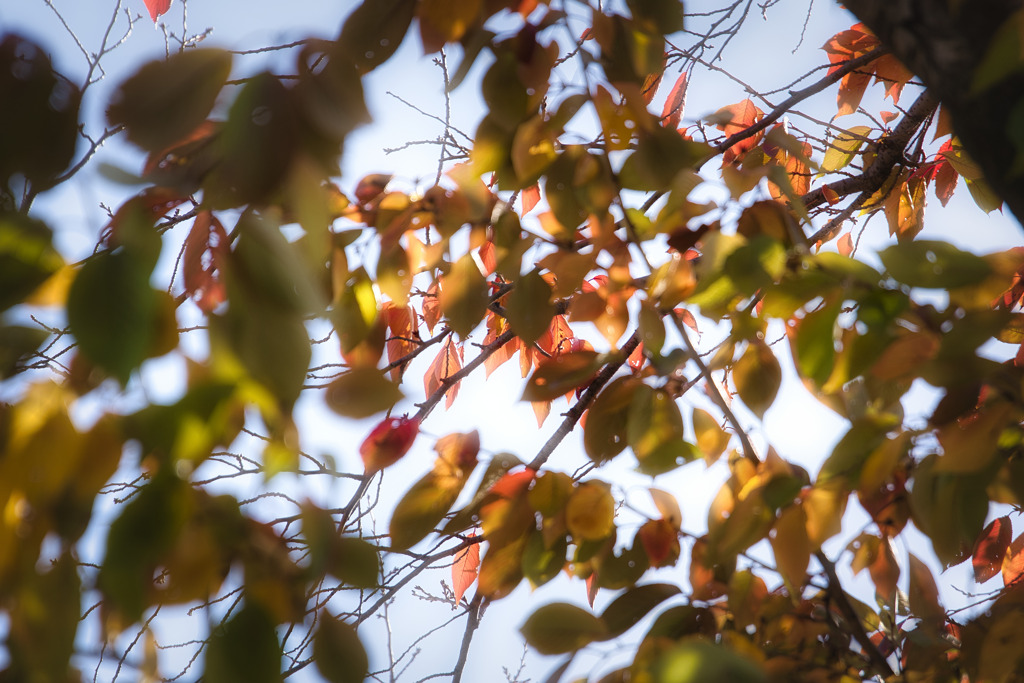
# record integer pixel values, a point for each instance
(712, 440)
(166, 100)
(388, 442)
(931, 264)
(465, 569)
(990, 549)
(375, 30)
(758, 376)
(542, 563)
(361, 392)
(245, 648)
(697, 661)
(464, 296)
(561, 374)
(528, 308)
(633, 605)
(27, 258)
(337, 652)
(791, 546)
(590, 511)
(559, 627)
(604, 435)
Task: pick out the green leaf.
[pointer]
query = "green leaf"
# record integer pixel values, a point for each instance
(375, 29)
(529, 309)
(654, 430)
(935, 265)
(814, 343)
(354, 562)
(422, 507)
(113, 312)
(337, 652)
(244, 649)
(842, 150)
(635, 604)
(166, 100)
(604, 435)
(464, 296)
(362, 392)
(16, 343)
(662, 15)
(698, 661)
(542, 563)
(758, 376)
(559, 627)
(561, 374)
(26, 257)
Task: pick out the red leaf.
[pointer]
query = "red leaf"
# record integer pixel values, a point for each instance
(672, 112)
(990, 549)
(388, 442)
(446, 364)
(513, 484)
(371, 186)
(945, 181)
(465, 569)
(530, 197)
(592, 588)
(636, 359)
(660, 541)
(157, 7)
(687, 318)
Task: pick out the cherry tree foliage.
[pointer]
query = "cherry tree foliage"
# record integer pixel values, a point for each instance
(645, 277)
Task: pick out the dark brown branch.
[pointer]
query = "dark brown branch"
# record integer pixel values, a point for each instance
(889, 153)
(794, 99)
(577, 410)
(854, 625)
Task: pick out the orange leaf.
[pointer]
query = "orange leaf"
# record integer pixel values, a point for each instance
(495, 327)
(990, 549)
(403, 338)
(388, 442)
(202, 275)
(432, 307)
(1013, 562)
(845, 244)
(447, 363)
(672, 112)
(465, 569)
(530, 197)
(739, 117)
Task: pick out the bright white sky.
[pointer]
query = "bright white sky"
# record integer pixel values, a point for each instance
(798, 427)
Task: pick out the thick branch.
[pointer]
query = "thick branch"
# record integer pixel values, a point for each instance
(944, 43)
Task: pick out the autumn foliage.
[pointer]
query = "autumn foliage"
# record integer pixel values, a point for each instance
(576, 239)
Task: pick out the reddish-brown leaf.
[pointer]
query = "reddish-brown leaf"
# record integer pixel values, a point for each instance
(388, 442)
(672, 112)
(446, 364)
(465, 569)
(432, 307)
(206, 247)
(660, 541)
(157, 8)
(990, 549)
(371, 186)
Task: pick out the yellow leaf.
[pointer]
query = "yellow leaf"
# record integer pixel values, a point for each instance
(791, 546)
(590, 511)
(824, 505)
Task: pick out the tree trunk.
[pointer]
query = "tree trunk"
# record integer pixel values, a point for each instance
(943, 42)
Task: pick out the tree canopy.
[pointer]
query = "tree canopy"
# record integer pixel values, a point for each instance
(648, 279)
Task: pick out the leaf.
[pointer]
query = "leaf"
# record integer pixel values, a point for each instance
(501, 570)
(590, 511)
(747, 592)
(934, 265)
(245, 648)
(560, 374)
(447, 362)
(361, 392)
(734, 119)
(695, 661)
(374, 31)
(464, 296)
(543, 562)
(634, 604)
(792, 547)
(1013, 562)
(923, 594)
(660, 541)
(530, 196)
(157, 8)
(559, 627)
(166, 100)
(403, 336)
(654, 430)
(27, 257)
(844, 148)
(465, 569)
(990, 549)
(337, 652)
(529, 308)
(604, 435)
(202, 273)
(823, 506)
(712, 440)
(388, 442)
(675, 103)
(758, 376)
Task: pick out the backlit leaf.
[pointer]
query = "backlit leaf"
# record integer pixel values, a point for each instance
(590, 511)
(529, 308)
(337, 652)
(560, 374)
(991, 548)
(465, 569)
(932, 264)
(361, 392)
(791, 546)
(388, 442)
(634, 604)
(758, 376)
(464, 297)
(604, 435)
(559, 627)
(712, 440)
(245, 648)
(157, 8)
(166, 100)
(447, 362)
(1013, 562)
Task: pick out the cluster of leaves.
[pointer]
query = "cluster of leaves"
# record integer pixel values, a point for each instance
(433, 269)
